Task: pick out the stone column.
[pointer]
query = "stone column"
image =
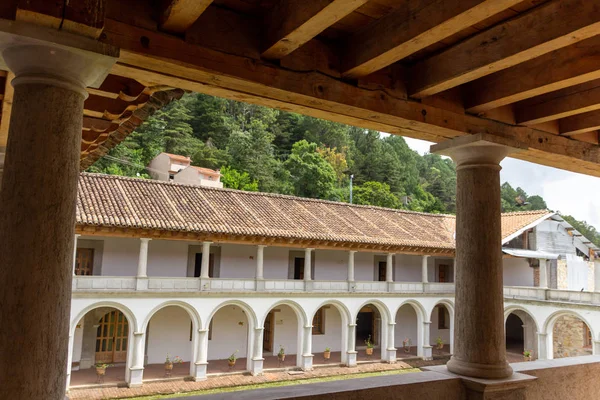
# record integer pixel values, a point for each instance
(204, 267)
(75, 253)
(427, 349)
(479, 343)
(142, 270)
(308, 284)
(543, 347)
(391, 349)
(351, 254)
(307, 356)
(260, 256)
(352, 353)
(257, 357)
(137, 369)
(201, 362)
(389, 268)
(69, 361)
(424, 275)
(543, 273)
(88, 340)
(39, 190)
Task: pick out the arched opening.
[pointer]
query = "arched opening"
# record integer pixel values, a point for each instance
(515, 338)
(282, 330)
(369, 333)
(328, 333)
(571, 337)
(101, 337)
(440, 332)
(407, 332)
(228, 332)
(169, 335)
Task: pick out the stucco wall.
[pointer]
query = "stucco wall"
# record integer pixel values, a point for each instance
(120, 256)
(275, 263)
(408, 268)
(169, 333)
(406, 326)
(239, 261)
(77, 341)
(434, 330)
(333, 332)
(517, 272)
(229, 333)
(285, 331)
(167, 258)
(331, 265)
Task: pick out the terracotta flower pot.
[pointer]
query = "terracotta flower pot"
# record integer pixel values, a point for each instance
(369, 351)
(100, 371)
(168, 366)
(326, 355)
(526, 358)
(231, 363)
(440, 346)
(281, 357)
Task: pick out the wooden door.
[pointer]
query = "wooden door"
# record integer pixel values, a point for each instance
(112, 338)
(443, 273)
(84, 262)
(268, 333)
(299, 268)
(381, 272)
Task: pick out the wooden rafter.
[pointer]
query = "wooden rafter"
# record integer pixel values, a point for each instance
(293, 23)
(556, 70)
(549, 27)
(6, 110)
(178, 15)
(406, 31)
(580, 123)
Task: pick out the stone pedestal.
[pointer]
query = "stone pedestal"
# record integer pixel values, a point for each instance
(257, 358)
(136, 371)
(479, 346)
(38, 195)
(307, 356)
(201, 359)
(427, 349)
(352, 354)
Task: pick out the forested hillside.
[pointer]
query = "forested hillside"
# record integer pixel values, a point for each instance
(263, 149)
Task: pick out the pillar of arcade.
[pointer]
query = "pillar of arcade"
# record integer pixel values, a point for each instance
(37, 222)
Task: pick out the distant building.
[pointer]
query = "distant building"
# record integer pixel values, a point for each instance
(173, 167)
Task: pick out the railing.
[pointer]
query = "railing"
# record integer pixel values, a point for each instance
(103, 283)
(173, 284)
(522, 292)
(228, 285)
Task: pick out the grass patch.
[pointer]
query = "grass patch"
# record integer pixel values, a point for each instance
(278, 384)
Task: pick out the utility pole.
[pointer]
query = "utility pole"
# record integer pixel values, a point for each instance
(351, 178)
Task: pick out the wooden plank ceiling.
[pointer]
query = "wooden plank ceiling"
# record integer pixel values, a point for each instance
(428, 69)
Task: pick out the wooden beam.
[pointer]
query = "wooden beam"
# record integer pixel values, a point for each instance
(580, 123)
(178, 15)
(549, 27)
(556, 70)
(560, 104)
(412, 28)
(6, 110)
(294, 22)
(96, 123)
(172, 62)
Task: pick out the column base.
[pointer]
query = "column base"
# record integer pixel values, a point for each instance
(427, 353)
(200, 372)
(511, 388)
(260, 285)
(352, 359)
(257, 366)
(141, 283)
(309, 286)
(307, 362)
(135, 377)
(390, 357)
(481, 371)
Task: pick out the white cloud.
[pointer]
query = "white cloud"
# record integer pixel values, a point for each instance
(574, 194)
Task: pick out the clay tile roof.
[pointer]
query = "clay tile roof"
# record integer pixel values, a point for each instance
(207, 171)
(177, 157)
(121, 202)
(515, 221)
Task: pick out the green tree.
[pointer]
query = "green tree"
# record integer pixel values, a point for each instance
(311, 175)
(337, 161)
(375, 194)
(233, 179)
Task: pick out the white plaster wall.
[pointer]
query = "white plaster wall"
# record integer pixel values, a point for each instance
(227, 333)
(331, 265)
(286, 330)
(333, 332)
(275, 262)
(408, 268)
(239, 261)
(169, 333)
(406, 326)
(167, 258)
(159, 167)
(364, 269)
(78, 342)
(120, 257)
(435, 332)
(517, 272)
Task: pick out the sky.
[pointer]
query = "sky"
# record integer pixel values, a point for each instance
(570, 193)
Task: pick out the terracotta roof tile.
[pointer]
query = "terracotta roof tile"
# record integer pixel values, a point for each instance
(114, 201)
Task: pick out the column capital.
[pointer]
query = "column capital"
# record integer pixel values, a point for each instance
(308, 326)
(542, 334)
(351, 325)
(207, 242)
(138, 333)
(352, 251)
(259, 328)
(203, 330)
(77, 235)
(391, 323)
(308, 249)
(261, 246)
(479, 150)
(146, 240)
(427, 322)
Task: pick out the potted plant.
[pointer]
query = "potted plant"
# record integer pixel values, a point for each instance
(327, 353)
(232, 358)
(440, 343)
(369, 350)
(281, 354)
(527, 355)
(169, 364)
(101, 369)
(406, 344)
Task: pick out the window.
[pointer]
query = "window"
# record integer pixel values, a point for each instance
(443, 318)
(84, 261)
(319, 322)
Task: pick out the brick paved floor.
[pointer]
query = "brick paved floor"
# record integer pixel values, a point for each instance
(181, 386)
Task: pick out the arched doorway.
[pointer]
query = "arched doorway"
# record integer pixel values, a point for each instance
(170, 333)
(407, 332)
(101, 336)
(521, 335)
(571, 337)
(282, 330)
(440, 331)
(369, 329)
(328, 333)
(228, 332)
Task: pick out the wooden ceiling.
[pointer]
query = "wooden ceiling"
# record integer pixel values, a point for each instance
(428, 69)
